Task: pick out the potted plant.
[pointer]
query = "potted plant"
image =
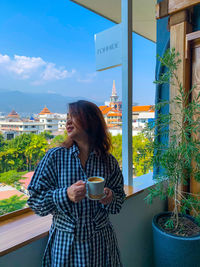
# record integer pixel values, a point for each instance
(176, 233)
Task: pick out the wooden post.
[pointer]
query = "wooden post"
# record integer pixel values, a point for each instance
(195, 53)
(179, 27)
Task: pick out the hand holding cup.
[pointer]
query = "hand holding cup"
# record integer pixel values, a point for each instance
(108, 196)
(77, 191)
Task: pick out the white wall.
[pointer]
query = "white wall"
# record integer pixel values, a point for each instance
(134, 231)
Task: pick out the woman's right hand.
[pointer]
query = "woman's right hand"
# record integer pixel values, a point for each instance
(76, 192)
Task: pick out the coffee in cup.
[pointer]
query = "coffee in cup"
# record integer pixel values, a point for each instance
(95, 187)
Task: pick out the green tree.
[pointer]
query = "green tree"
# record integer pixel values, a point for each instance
(11, 204)
(9, 159)
(11, 177)
(19, 145)
(2, 142)
(117, 148)
(47, 135)
(23, 152)
(35, 150)
(142, 153)
(57, 141)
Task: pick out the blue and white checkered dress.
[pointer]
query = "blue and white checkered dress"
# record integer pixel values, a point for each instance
(81, 234)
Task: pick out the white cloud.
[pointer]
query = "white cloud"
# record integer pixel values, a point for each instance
(89, 78)
(25, 66)
(53, 73)
(4, 59)
(34, 68)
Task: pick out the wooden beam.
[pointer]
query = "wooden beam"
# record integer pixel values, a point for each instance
(179, 27)
(191, 39)
(162, 9)
(169, 7)
(193, 36)
(195, 55)
(177, 5)
(179, 17)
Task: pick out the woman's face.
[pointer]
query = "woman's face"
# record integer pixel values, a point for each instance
(74, 130)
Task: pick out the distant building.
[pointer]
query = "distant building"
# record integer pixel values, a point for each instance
(49, 120)
(112, 112)
(141, 115)
(13, 115)
(62, 119)
(112, 116)
(12, 125)
(114, 102)
(112, 109)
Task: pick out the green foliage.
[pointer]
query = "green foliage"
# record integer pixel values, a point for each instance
(117, 148)
(47, 135)
(11, 204)
(2, 142)
(142, 153)
(179, 157)
(11, 177)
(57, 141)
(35, 150)
(14, 156)
(169, 224)
(8, 159)
(23, 152)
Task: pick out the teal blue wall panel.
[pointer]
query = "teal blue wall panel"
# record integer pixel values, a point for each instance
(196, 18)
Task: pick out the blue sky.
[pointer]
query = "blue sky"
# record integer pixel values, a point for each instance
(48, 46)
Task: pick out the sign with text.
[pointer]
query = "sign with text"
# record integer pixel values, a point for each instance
(108, 50)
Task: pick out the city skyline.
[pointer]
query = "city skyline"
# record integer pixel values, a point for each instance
(48, 47)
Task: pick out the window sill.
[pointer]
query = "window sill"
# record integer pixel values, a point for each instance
(140, 183)
(22, 227)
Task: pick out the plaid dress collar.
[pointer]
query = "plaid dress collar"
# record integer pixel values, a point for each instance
(74, 149)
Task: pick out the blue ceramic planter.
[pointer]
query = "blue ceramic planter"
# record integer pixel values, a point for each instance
(174, 251)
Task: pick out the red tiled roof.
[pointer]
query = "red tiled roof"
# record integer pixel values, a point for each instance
(148, 108)
(102, 107)
(112, 125)
(106, 110)
(117, 114)
(115, 110)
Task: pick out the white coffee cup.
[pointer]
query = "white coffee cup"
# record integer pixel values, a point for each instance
(95, 187)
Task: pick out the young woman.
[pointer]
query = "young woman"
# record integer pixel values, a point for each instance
(81, 234)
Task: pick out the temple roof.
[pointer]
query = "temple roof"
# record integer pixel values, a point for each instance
(45, 111)
(13, 114)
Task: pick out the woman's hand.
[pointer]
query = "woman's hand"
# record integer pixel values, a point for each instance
(108, 198)
(76, 192)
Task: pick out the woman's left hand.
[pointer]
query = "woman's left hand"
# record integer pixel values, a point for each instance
(108, 198)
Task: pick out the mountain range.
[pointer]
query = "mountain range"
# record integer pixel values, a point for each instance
(33, 103)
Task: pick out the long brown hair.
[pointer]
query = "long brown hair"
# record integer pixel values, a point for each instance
(90, 118)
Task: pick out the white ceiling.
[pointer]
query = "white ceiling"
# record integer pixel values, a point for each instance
(144, 22)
